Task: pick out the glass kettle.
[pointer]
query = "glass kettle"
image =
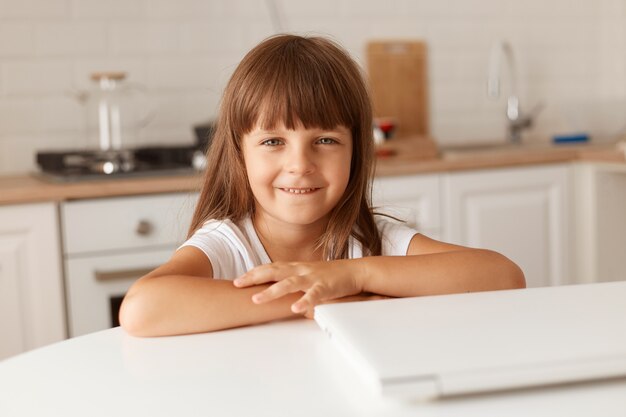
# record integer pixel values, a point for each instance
(115, 111)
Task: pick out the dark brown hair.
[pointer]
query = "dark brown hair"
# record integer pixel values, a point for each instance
(294, 79)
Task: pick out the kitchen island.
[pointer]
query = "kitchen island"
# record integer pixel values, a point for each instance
(287, 368)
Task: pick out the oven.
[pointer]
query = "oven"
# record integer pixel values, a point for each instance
(109, 243)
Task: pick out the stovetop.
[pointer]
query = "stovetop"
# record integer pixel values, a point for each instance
(71, 166)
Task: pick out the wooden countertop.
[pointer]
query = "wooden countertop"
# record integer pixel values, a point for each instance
(29, 188)
(32, 188)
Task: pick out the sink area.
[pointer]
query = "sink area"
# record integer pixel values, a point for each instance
(603, 151)
(497, 147)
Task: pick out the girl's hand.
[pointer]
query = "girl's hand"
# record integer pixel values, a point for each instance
(320, 281)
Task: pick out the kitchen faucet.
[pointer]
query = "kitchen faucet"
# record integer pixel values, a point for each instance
(518, 122)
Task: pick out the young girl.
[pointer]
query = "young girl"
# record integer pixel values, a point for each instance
(285, 208)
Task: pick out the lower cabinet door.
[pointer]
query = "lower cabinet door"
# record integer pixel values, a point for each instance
(519, 212)
(410, 198)
(13, 339)
(96, 286)
(32, 312)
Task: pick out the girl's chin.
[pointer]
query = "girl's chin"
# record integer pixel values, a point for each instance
(301, 220)
(298, 219)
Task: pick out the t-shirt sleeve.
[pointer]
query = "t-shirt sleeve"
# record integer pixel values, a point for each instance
(395, 236)
(217, 250)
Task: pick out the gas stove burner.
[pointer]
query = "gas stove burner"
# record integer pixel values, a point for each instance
(88, 164)
(110, 162)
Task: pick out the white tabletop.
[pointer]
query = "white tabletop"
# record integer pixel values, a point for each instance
(279, 369)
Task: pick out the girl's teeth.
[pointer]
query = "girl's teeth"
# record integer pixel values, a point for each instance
(299, 191)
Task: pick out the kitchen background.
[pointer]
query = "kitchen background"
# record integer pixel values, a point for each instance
(62, 274)
(571, 56)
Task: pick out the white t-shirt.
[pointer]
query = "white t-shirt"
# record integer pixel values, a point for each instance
(233, 249)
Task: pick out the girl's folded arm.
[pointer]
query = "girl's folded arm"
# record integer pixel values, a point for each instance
(180, 297)
(432, 267)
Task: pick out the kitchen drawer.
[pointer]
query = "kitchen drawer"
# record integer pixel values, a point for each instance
(118, 224)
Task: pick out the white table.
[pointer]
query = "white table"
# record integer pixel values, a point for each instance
(280, 369)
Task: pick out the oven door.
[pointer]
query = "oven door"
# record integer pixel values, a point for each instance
(96, 286)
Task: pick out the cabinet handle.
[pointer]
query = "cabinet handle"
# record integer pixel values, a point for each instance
(122, 274)
(144, 228)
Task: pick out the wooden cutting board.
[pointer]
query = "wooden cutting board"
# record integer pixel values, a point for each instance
(398, 83)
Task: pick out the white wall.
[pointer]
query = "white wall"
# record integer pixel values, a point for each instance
(571, 55)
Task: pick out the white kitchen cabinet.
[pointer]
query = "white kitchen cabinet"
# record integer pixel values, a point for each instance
(412, 198)
(519, 212)
(109, 243)
(600, 197)
(31, 286)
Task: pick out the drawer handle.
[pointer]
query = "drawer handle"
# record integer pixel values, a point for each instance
(122, 274)
(144, 228)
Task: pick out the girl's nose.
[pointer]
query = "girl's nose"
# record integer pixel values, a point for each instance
(300, 161)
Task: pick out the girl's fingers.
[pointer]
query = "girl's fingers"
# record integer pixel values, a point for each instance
(312, 297)
(262, 275)
(286, 286)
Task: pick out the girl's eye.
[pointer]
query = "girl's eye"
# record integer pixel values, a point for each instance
(327, 141)
(271, 142)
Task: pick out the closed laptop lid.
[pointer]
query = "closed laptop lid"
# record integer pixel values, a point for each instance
(453, 344)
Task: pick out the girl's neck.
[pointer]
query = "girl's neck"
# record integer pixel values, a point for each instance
(287, 242)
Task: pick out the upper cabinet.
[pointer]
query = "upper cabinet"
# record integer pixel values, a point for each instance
(522, 213)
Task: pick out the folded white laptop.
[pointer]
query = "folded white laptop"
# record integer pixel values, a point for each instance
(429, 347)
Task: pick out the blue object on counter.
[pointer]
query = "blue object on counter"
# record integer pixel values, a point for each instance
(573, 138)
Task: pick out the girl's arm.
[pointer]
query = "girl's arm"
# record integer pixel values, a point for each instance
(430, 267)
(181, 297)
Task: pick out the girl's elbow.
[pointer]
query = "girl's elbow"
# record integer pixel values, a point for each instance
(131, 317)
(134, 314)
(515, 275)
(510, 274)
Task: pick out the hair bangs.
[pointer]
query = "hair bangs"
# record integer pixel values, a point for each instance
(297, 89)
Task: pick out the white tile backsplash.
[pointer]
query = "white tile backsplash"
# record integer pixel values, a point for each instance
(73, 39)
(98, 9)
(37, 77)
(25, 115)
(34, 9)
(167, 10)
(135, 38)
(204, 38)
(570, 56)
(16, 39)
(180, 73)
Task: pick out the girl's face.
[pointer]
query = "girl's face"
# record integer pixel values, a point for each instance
(297, 176)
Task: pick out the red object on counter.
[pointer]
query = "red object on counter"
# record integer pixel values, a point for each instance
(384, 152)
